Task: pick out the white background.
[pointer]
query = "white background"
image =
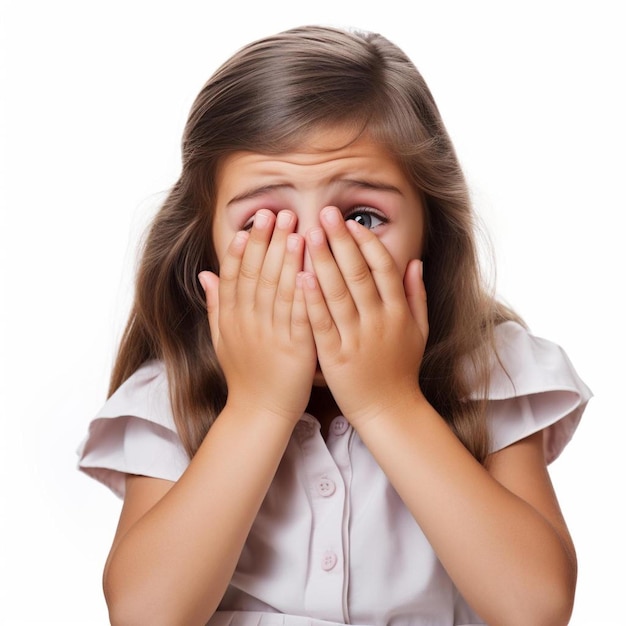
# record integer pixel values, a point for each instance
(93, 100)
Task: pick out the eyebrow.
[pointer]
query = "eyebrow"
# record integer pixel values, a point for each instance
(375, 185)
(250, 194)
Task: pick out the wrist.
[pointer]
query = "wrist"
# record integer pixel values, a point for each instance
(251, 408)
(409, 403)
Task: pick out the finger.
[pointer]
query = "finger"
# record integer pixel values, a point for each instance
(300, 323)
(384, 271)
(322, 324)
(284, 303)
(274, 259)
(210, 284)
(352, 265)
(416, 295)
(254, 256)
(330, 282)
(230, 268)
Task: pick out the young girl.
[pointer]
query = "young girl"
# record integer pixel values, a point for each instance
(300, 434)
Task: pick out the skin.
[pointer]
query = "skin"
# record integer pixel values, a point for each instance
(323, 297)
(294, 193)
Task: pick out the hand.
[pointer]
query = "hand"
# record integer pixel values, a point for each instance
(258, 319)
(370, 323)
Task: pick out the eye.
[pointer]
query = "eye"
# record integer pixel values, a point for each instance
(366, 216)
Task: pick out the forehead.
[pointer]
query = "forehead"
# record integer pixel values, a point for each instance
(323, 156)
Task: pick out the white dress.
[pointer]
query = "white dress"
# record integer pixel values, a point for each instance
(333, 542)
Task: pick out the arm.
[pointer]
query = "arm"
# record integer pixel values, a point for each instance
(497, 531)
(177, 545)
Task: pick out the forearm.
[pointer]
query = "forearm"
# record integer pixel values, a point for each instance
(508, 561)
(174, 564)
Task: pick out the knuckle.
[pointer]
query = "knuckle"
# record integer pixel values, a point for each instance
(386, 264)
(336, 293)
(359, 274)
(300, 322)
(248, 272)
(323, 325)
(267, 282)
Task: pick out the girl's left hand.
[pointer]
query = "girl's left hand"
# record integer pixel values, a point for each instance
(370, 323)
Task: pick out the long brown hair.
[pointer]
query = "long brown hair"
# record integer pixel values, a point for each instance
(266, 99)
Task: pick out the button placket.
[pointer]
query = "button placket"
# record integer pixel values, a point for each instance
(340, 445)
(324, 592)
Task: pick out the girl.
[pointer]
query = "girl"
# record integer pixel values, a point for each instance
(299, 436)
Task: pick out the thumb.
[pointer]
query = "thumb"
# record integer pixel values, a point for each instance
(416, 294)
(210, 283)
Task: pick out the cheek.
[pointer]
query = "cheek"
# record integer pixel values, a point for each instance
(402, 248)
(404, 239)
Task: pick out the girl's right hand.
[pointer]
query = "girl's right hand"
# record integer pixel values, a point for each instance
(258, 319)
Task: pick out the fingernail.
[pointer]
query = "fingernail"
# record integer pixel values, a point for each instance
(261, 219)
(293, 241)
(283, 219)
(353, 226)
(331, 216)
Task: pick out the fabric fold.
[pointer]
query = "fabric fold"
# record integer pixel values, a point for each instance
(533, 387)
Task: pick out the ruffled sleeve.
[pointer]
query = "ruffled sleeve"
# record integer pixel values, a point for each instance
(134, 433)
(533, 387)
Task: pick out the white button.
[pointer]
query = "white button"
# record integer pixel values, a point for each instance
(339, 426)
(325, 486)
(329, 560)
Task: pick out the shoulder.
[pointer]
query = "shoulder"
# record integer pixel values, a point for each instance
(134, 433)
(533, 386)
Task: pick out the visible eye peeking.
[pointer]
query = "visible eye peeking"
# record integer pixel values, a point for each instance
(366, 216)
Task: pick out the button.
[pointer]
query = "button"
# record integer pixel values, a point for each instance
(325, 486)
(305, 429)
(329, 560)
(339, 426)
